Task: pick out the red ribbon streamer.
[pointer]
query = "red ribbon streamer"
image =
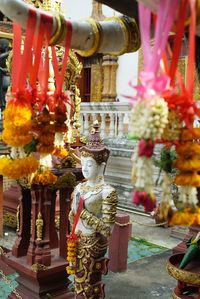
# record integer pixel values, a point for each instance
(60, 75)
(76, 218)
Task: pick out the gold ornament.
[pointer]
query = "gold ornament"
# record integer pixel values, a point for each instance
(96, 31)
(39, 225)
(131, 34)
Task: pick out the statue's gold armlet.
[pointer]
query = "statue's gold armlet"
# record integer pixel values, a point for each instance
(95, 223)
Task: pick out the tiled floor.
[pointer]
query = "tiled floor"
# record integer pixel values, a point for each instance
(137, 249)
(6, 288)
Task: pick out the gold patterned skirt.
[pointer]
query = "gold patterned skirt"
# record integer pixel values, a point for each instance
(90, 266)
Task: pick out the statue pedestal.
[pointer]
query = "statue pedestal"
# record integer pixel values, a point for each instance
(38, 283)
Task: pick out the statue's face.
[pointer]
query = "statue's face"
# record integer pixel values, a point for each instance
(90, 168)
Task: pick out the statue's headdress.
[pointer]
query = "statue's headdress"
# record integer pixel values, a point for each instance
(94, 147)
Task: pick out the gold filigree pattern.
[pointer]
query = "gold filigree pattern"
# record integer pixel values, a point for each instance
(46, 4)
(86, 188)
(97, 82)
(182, 275)
(98, 224)
(91, 263)
(10, 220)
(38, 267)
(39, 225)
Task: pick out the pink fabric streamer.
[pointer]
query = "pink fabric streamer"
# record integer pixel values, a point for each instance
(165, 17)
(153, 84)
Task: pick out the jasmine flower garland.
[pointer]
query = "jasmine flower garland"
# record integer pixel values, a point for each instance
(149, 118)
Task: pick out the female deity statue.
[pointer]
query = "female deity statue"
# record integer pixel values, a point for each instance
(96, 219)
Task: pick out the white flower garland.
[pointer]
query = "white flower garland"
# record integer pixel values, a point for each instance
(188, 195)
(59, 140)
(143, 172)
(149, 118)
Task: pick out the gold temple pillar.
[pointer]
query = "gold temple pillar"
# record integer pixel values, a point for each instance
(110, 66)
(96, 82)
(103, 72)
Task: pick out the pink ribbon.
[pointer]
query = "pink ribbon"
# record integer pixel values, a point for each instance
(153, 84)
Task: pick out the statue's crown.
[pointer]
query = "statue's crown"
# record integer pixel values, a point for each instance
(95, 147)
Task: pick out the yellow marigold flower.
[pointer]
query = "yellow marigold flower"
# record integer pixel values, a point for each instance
(187, 164)
(69, 270)
(18, 168)
(188, 148)
(185, 217)
(60, 152)
(187, 135)
(45, 178)
(13, 139)
(17, 114)
(71, 258)
(188, 179)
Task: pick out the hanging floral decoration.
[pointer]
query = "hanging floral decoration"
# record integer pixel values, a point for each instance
(164, 113)
(150, 112)
(166, 165)
(44, 177)
(34, 117)
(188, 178)
(71, 254)
(18, 168)
(188, 149)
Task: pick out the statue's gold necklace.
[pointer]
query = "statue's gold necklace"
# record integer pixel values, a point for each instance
(87, 188)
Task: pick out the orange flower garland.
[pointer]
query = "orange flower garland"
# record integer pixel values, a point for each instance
(188, 178)
(17, 124)
(188, 161)
(60, 152)
(187, 216)
(45, 177)
(43, 127)
(60, 119)
(71, 256)
(18, 168)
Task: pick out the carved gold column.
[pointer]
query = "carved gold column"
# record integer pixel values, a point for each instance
(110, 66)
(96, 82)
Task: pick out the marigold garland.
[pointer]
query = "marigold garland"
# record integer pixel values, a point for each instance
(43, 127)
(188, 135)
(60, 152)
(188, 148)
(188, 179)
(191, 163)
(71, 255)
(188, 164)
(18, 168)
(17, 124)
(45, 177)
(187, 217)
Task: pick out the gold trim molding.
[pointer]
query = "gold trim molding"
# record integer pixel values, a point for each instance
(182, 275)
